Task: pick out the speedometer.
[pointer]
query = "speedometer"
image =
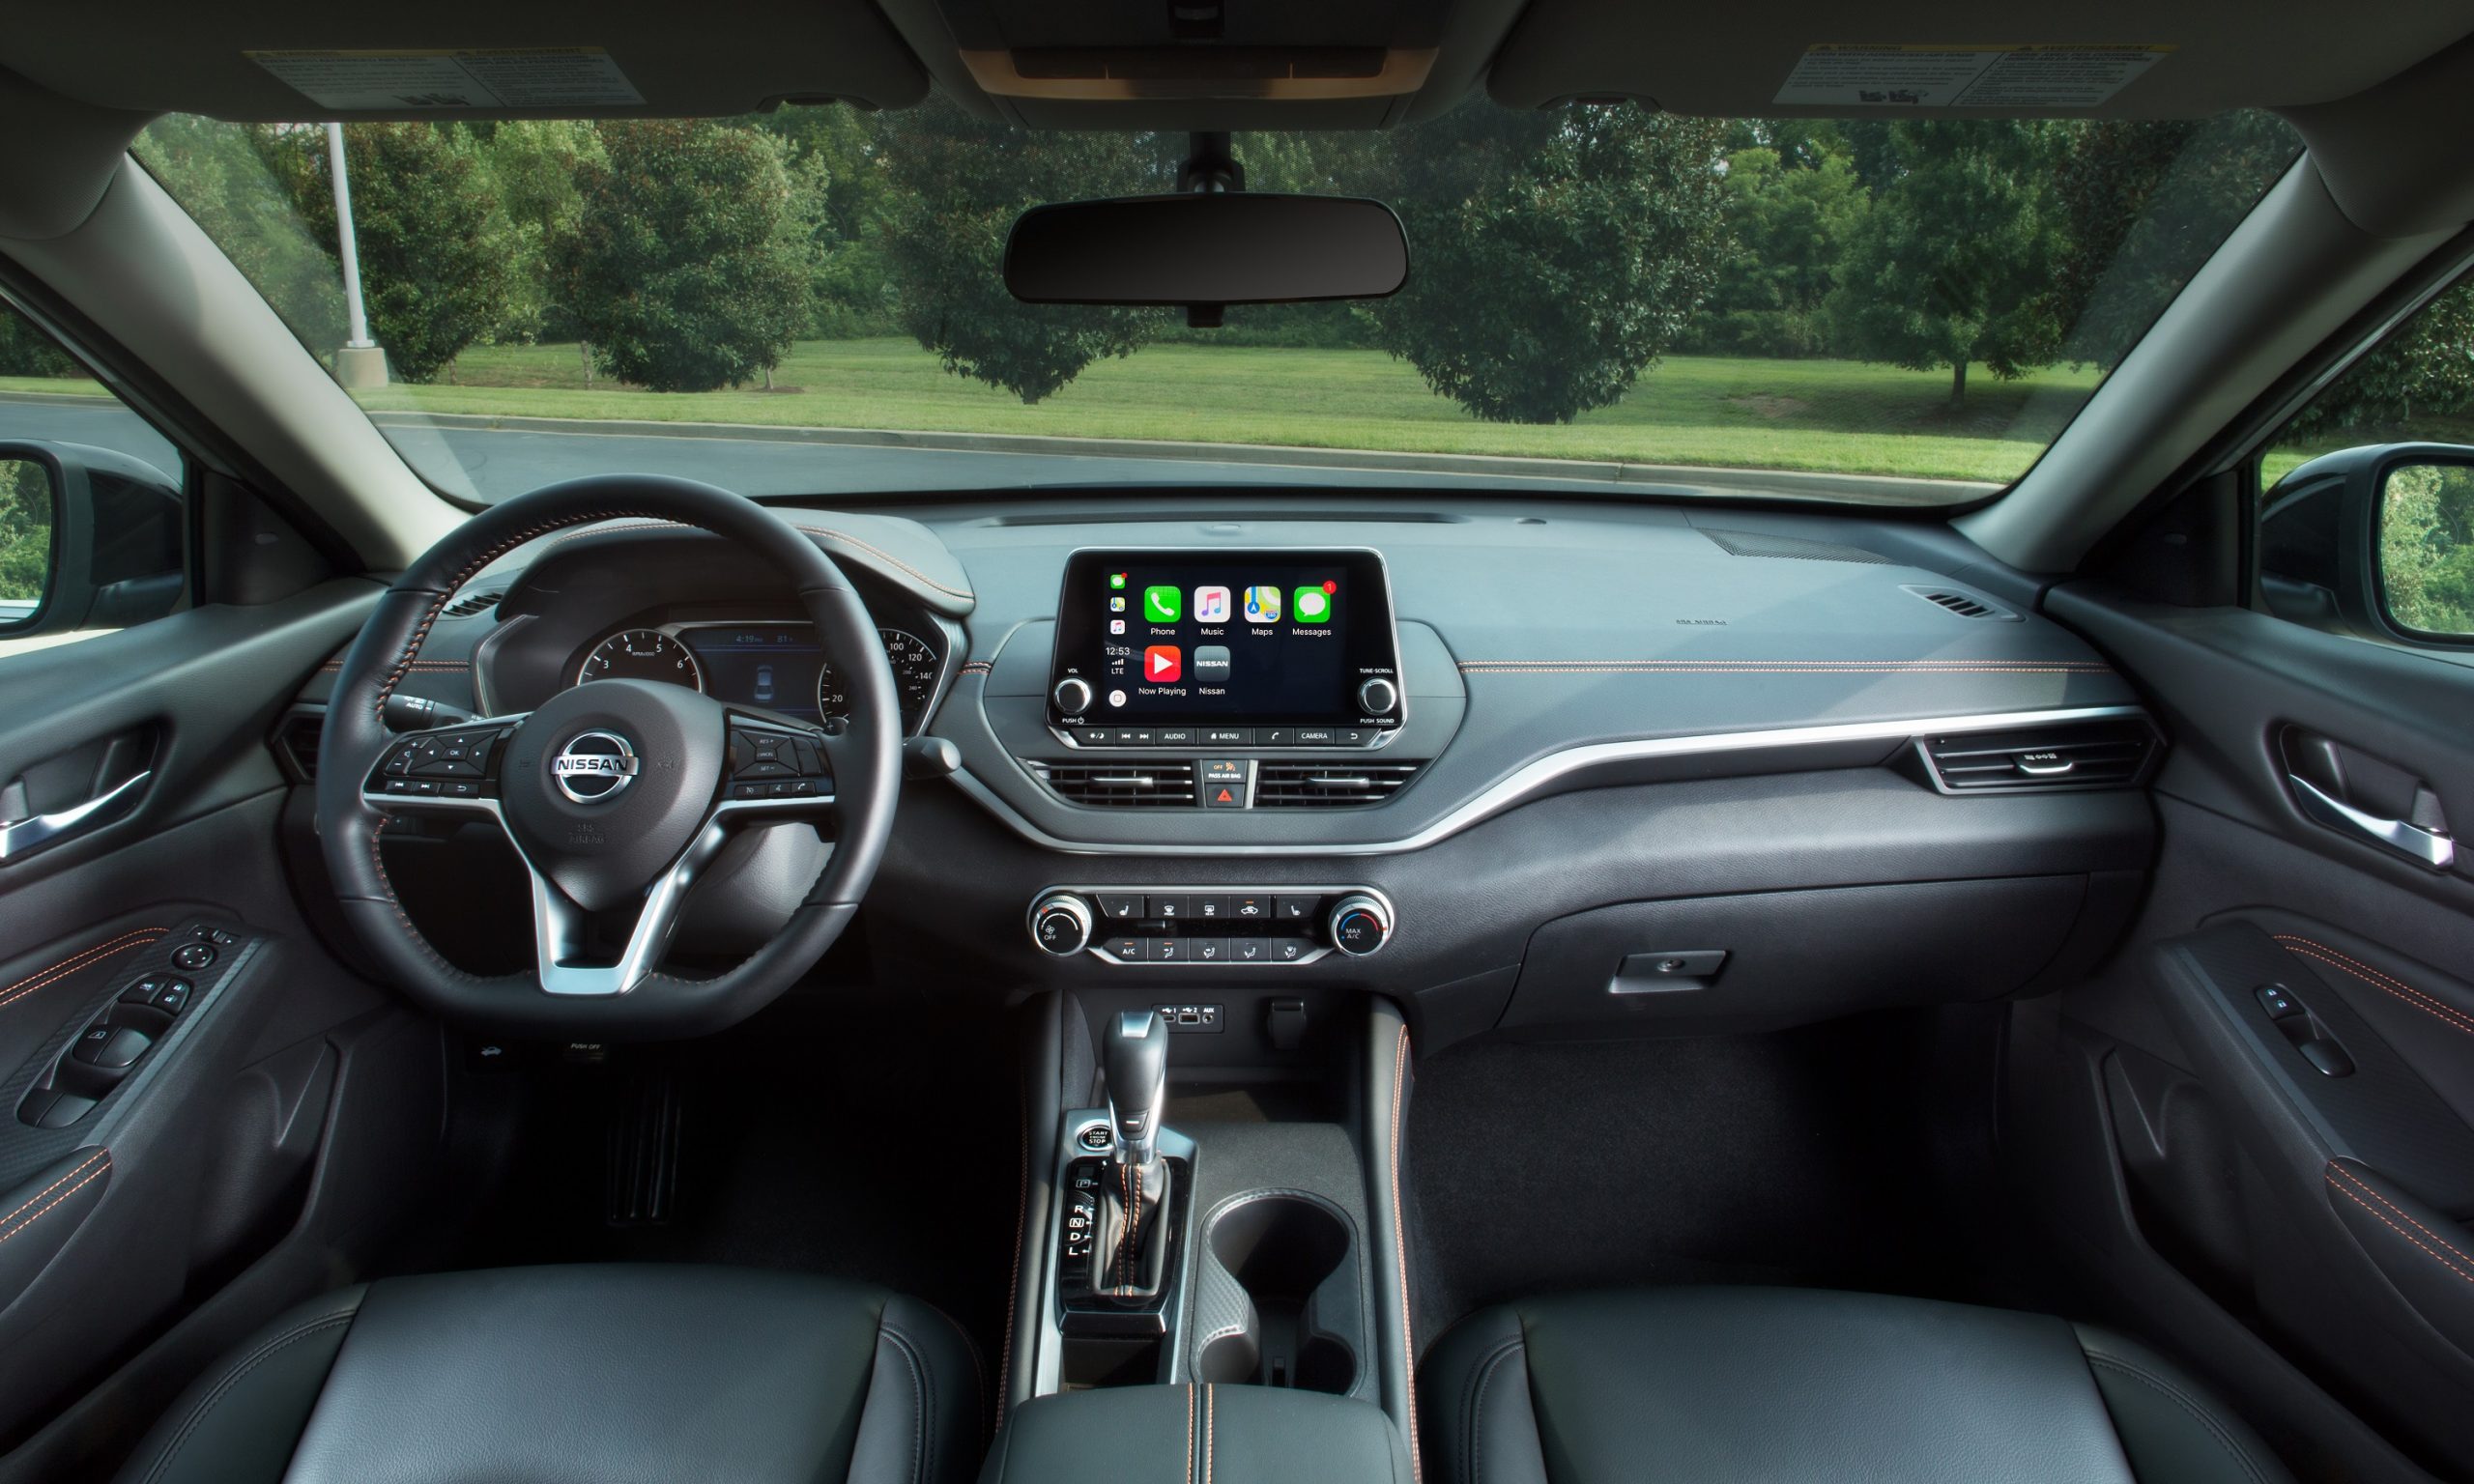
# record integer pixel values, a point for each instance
(914, 676)
(642, 654)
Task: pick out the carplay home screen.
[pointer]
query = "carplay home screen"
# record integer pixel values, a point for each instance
(1218, 640)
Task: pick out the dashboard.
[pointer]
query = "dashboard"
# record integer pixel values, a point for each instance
(1499, 758)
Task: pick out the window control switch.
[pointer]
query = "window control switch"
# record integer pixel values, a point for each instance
(110, 1047)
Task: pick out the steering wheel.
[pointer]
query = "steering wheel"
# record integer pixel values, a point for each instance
(614, 794)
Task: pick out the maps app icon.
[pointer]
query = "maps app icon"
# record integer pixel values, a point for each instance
(1262, 605)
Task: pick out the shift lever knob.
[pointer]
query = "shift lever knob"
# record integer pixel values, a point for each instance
(1134, 1060)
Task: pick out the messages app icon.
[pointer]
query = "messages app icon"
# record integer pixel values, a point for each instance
(1311, 604)
(1262, 605)
(1162, 605)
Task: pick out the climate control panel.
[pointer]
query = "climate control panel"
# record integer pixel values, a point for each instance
(1235, 926)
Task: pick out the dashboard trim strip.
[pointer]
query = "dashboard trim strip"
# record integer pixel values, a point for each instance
(1539, 777)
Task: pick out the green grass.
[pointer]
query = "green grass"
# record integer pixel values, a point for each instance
(1829, 416)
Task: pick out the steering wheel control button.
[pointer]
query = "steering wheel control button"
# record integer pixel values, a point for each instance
(1378, 697)
(595, 767)
(193, 956)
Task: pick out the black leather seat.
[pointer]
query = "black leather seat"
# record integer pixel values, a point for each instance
(1714, 1384)
(600, 1374)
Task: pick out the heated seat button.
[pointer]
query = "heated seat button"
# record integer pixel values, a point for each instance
(1121, 906)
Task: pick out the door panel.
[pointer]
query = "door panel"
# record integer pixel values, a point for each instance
(2287, 1046)
(204, 1116)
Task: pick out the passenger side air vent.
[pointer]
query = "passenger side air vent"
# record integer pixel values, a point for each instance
(1127, 785)
(475, 603)
(2086, 754)
(1966, 605)
(1336, 784)
(296, 744)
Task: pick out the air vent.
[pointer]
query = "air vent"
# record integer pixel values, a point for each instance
(475, 603)
(296, 744)
(2087, 754)
(1754, 543)
(1336, 784)
(1127, 785)
(1966, 605)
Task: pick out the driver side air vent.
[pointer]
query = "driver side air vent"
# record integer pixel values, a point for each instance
(1127, 785)
(475, 603)
(1333, 785)
(2086, 754)
(296, 744)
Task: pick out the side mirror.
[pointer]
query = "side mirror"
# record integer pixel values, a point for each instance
(90, 538)
(2375, 541)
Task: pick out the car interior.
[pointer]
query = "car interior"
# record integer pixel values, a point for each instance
(1490, 978)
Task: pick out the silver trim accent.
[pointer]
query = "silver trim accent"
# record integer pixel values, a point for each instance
(1541, 775)
(1390, 915)
(1072, 906)
(618, 767)
(2422, 846)
(23, 837)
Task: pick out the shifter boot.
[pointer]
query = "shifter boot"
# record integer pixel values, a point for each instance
(1132, 1254)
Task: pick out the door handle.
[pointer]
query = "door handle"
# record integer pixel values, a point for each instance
(22, 838)
(2422, 846)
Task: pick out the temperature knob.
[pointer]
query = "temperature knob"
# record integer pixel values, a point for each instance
(1361, 925)
(1073, 697)
(1061, 925)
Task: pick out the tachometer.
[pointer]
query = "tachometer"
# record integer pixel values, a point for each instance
(914, 676)
(642, 654)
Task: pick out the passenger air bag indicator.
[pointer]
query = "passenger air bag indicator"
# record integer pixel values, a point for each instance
(1223, 783)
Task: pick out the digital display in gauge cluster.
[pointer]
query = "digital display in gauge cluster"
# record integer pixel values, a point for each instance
(779, 667)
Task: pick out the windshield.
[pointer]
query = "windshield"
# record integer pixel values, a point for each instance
(808, 302)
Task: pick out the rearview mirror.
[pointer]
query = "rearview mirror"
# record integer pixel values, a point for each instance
(1205, 249)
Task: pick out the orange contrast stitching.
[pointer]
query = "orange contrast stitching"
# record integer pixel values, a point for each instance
(2359, 1183)
(1400, 1249)
(99, 1172)
(2401, 1232)
(1190, 1432)
(1014, 1285)
(1210, 1430)
(2430, 1005)
(87, 959)
(81, 1168)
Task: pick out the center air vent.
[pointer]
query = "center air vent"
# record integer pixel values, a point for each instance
(1335, 785)
(2086, 754)
(1127, 784)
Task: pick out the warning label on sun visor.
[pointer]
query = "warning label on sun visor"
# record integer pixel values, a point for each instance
(481, 77)
(2057, 77)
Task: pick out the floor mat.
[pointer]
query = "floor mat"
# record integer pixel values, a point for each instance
(1855, 1154)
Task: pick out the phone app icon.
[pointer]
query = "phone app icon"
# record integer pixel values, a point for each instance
(1262, 605)
(1313, 604)
(1211, 605)
(1163, 665)
(1162, 605)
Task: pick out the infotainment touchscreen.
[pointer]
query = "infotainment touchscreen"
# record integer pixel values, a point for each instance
(1267, 648)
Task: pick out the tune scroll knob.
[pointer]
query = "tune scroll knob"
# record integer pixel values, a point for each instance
(1361, 925)
(1073, 697)
(1062, 923)
(1378, 697)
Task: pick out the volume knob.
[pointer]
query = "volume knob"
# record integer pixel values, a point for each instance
(1073, 697)
(1361, 925)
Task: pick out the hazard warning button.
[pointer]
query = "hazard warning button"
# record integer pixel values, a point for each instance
(1223, 783)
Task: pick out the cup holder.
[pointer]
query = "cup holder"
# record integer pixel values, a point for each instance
(1283, 1250)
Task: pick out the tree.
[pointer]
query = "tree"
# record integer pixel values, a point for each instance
(958, 185)
(1793, 214)
(435, 256)
(689, 266)
(1954, 258)
(839, 151)
(2422, 372)
(2426, 547)
(2144, 203)
(1553, 257)
(531, 167)
(25, 526)
(223, 174)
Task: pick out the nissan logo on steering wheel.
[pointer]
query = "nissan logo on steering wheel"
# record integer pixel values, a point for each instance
(595, 768)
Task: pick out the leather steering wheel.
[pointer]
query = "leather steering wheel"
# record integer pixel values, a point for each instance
(615, 794)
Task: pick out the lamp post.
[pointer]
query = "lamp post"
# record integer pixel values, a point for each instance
(360, 362)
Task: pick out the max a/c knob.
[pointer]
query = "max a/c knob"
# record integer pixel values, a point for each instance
(1073, 697)
(1360, 925)
(1062, 923)
(1378, 697)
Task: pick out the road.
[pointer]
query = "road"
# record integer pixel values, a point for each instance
(492, 464)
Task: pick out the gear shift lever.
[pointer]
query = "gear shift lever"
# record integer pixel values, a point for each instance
(1134, 1061)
